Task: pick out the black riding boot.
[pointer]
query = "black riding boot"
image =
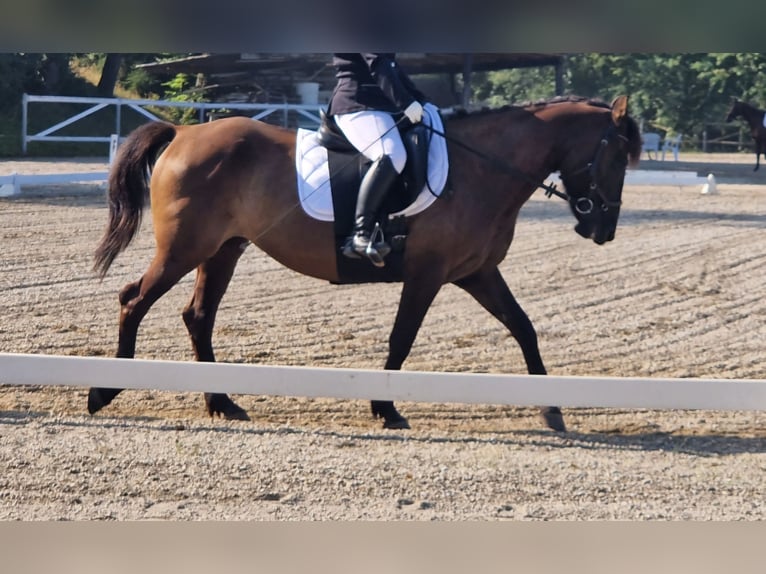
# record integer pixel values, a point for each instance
(372, 191)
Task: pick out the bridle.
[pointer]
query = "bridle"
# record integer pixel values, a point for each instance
(586, 204)
(582, 205)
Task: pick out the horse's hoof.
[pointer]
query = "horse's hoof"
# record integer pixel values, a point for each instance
(396, 424)
(221, 405)
(95, 403)
(553, 419)
(391, 417)
(229, 413)
(98, 398)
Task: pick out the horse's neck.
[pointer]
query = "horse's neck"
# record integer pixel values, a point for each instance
(753, 115)
(561, 129)
(513, 144)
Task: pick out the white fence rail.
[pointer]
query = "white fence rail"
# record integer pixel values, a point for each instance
(306, 114)
(416, 386)
(11, 184)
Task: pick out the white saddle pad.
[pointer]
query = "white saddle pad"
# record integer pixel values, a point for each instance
(313, 172)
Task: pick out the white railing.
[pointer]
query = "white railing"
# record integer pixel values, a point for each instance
(303, 114)
(416, 386)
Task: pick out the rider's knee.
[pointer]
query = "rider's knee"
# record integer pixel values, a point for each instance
(398, 159)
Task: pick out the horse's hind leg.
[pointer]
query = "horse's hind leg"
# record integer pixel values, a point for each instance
(491, 291)
(758, 151)
(213, 277)
(135, 301)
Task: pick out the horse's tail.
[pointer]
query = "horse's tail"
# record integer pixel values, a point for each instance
(129, 189)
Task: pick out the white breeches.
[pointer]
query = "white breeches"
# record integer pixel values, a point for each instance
(374, 134)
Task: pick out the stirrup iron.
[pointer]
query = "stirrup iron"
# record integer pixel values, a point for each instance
(378, 241)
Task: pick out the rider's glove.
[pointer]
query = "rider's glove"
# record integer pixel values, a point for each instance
(414, 112)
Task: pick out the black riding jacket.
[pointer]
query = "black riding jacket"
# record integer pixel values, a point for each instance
(371, 82)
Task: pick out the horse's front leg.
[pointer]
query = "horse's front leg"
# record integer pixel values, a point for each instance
(490, 289)
(758, 151)
(417, 295)
(213, 277)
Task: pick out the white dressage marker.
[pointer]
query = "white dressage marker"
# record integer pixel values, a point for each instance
(710, 188)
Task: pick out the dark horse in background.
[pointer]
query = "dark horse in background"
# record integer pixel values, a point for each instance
(754, 118)
(218, 185)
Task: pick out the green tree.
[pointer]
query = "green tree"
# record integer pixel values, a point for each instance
(524, 84)
(183, 88)
(31, 73)
(110, 73)
(687, 93)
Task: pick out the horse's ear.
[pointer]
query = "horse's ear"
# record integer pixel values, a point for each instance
(619, 109)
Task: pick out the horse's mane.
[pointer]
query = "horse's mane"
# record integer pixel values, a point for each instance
(748, 105)
(633, 130)
(572, 99)
(462, 112)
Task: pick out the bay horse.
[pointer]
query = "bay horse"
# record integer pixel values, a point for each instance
(217, 186)
(754, 118)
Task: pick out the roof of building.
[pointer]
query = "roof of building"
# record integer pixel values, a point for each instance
(308, 64)
(273, 76)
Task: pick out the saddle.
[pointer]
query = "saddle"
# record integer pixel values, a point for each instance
(347, 168)
(416, 141)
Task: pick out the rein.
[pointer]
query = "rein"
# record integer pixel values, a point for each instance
(502, 165)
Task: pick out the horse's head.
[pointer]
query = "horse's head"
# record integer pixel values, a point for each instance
(735, 111)
(593, 171)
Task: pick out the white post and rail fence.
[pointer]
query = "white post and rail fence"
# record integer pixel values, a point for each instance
(303, 115)
(414, 386)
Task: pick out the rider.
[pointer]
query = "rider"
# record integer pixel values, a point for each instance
(371, 92)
